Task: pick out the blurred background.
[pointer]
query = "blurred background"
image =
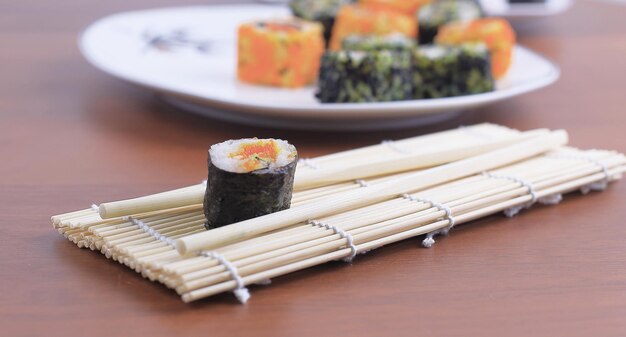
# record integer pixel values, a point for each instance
(62, 114)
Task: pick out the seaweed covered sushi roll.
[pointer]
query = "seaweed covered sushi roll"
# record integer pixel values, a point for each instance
(440, 12)
(357, 76)
(447, 71)
(279, 52)
(392, 42)
(248, 178)
(322, 11)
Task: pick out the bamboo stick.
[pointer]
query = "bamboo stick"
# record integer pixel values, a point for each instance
(190, 196)
(395, 161)
(484, 131)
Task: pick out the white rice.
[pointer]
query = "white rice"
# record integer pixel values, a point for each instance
(220, 155)
(433, 52)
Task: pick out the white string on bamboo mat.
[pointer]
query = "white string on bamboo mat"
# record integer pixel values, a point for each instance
(152, 232)
(341, 233)
(361, 183)
(394, 146)
(429, 241)
(514, 210)
(552, 199)
(241, 292)
(309, 163)
(95, 208)
(596, 186)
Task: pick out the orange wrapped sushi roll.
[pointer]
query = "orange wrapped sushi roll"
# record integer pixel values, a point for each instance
(282, 53)
(408, 7)
(497, 34)
(364, 20)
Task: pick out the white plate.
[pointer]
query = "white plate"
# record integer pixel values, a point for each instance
(517, 11)
(196, 70)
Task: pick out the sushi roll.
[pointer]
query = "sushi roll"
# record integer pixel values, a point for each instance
(357, 76)
(248, 178)
(322, 11)
(362, 20)
(440, 12)
(407, 7)
(496, 33)
(447, 71)
(393, 42)
(282, 53)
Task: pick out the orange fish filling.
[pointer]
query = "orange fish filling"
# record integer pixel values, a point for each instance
(277, 27)
(257, 155)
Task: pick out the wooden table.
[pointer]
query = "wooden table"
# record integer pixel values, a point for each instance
(70, 135)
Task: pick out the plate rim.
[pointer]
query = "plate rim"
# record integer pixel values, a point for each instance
(328, 111)
(533, 10)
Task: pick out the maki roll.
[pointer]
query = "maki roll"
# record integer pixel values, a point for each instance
(357, 76)
(322, 11)
(447, 71)
(283, 53)
(407, 7)
(248, 178)
(363, 20)
(440, 12)
(497, 34)
(393, 42)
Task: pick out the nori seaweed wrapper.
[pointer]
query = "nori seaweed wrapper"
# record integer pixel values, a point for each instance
(322, 11)
(440, 12)
(232, 197)
(355, 77)
(447, 71)
(393, 42)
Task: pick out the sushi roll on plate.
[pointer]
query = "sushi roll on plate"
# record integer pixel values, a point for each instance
(358, 76)
(280, 52)
(248, 178)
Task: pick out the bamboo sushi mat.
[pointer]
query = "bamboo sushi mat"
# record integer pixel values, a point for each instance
(147, 241)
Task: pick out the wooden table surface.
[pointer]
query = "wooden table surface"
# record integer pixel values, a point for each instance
(70, 136)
